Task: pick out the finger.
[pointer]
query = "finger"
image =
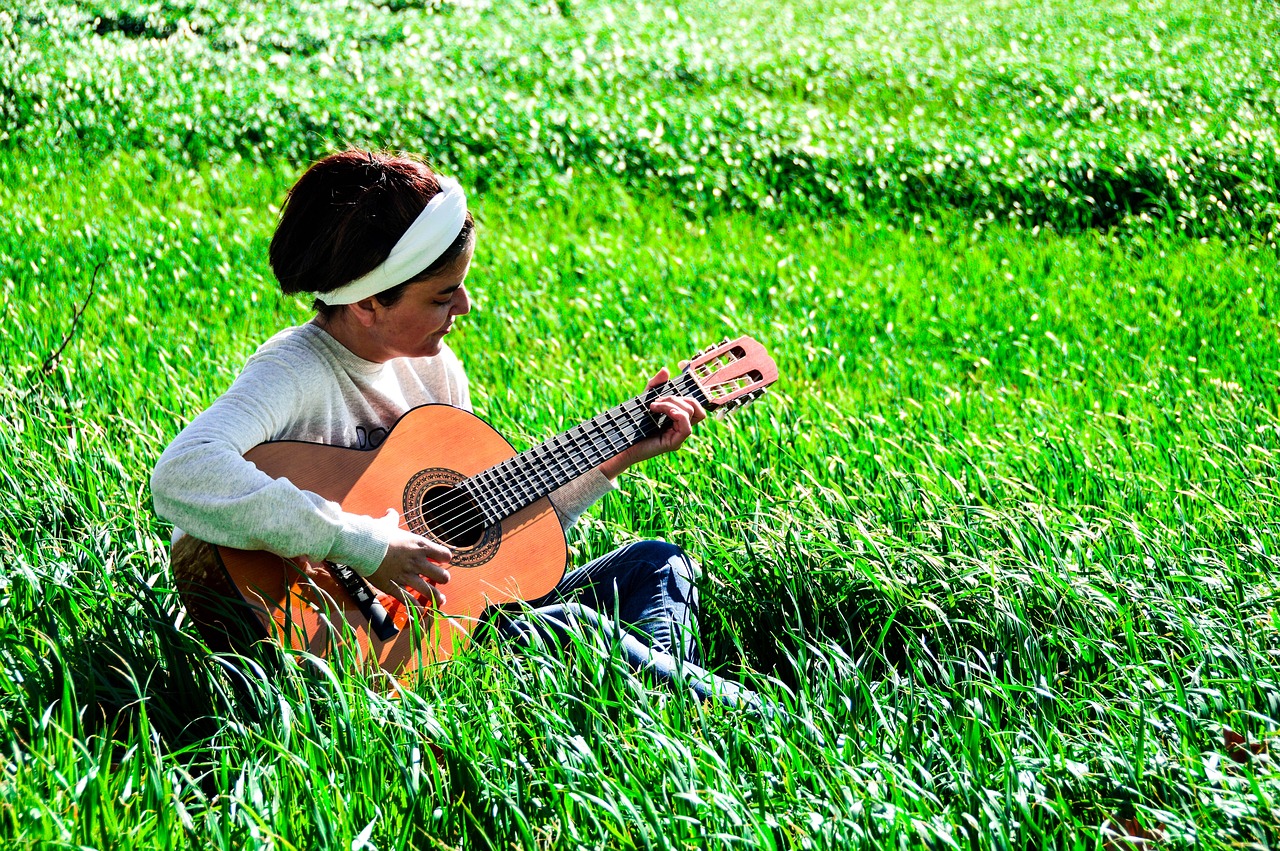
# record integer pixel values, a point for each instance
(682, 402)
(425, 588)
(432, 572)
(662, 376)
(396, 592)
(687, 405)
(435, 551)
(676, 409)
(687, 402)
(696, 412)
(670, 404)
(678, 428)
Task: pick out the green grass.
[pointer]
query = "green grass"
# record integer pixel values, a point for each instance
(1003, 538)
(1157, 114)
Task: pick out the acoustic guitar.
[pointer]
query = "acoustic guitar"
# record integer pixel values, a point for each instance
(451, 478)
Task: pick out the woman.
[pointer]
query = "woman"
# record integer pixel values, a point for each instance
(385, 245)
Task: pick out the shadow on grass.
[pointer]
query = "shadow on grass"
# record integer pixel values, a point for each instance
(105, 645)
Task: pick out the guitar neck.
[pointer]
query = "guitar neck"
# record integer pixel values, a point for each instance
(509, 486)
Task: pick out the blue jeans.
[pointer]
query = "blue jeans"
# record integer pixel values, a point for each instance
(648, 590)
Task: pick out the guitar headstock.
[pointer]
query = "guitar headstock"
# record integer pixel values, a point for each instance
(732, 374)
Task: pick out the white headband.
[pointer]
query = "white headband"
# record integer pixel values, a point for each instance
(430, 235)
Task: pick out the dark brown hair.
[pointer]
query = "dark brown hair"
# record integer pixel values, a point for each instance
(343, 217)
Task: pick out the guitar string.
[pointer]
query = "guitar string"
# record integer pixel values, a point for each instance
(600, 437)
(520, 530)
(505, 492)
(493, 485)
(504, 485)
(459, 501)
(513, 480)
(537, 472)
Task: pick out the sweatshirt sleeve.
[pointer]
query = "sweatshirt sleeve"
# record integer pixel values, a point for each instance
(573, 499)
(203, 484)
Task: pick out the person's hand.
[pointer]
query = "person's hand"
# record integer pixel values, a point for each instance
(412, 561)
(683, 414)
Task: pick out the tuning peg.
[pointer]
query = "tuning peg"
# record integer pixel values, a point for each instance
(741, 401)
(714, 346)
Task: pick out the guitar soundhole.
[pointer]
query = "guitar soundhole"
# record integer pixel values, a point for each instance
(453, 517)
(437, 508)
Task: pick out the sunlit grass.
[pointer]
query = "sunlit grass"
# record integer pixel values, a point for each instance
(1002, 539)
(1155, 114)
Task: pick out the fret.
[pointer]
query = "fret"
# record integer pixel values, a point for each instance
(489, 502)
(527, 465)
(492, 498)
(493, 493)
(577, 439)
(635, 431)
(636, 424)
(540, 455)
(619, 422)
(472, 491)
(607, 429)
(557, 453)
(501, 485)
(524, 470)
(515, 481)
(630, 430)
(517, 478)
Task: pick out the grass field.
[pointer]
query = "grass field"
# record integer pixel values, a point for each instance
(1003, 540)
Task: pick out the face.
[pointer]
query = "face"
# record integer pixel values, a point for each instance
(416, 324)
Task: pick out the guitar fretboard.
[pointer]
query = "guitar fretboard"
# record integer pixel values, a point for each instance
(509, 486)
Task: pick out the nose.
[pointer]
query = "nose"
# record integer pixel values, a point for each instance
(461, 302)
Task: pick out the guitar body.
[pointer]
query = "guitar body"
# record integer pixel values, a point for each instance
(301, 604)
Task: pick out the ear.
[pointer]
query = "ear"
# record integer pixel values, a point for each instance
(364, 312)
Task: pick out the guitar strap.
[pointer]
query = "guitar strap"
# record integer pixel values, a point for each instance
(379, 621)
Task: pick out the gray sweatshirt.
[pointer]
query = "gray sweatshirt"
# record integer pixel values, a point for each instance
(304, 385)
